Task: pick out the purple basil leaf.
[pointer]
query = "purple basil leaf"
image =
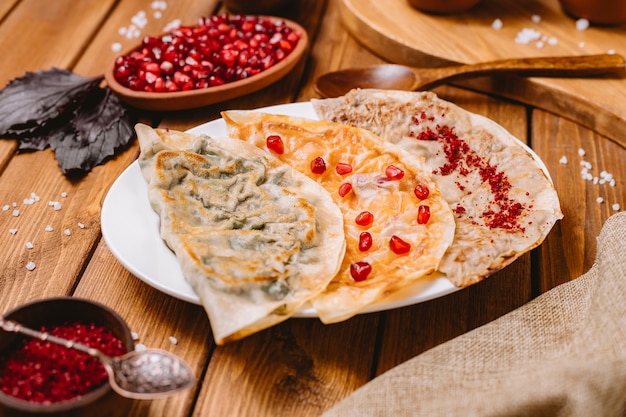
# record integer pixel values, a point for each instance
(36, 98)
(101, 125)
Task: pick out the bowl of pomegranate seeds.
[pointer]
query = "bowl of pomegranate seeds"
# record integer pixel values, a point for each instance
(222, 57)
(39, 377)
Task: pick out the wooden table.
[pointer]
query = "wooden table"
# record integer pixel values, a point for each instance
(300, 367)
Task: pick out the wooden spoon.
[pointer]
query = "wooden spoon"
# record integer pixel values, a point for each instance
(399, 77)
(180, 100)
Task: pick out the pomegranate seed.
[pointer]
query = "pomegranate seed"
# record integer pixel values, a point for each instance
(364, 218)
(399, 246)
(166, 67)
(421, 191)
(360, 270)
(275, 144)
(423, 214)
(344, 189)
(318, 166)
(171, 86)
(365, 241)
(343, 168)
(153, 68)
(214, 80)
(394, 173)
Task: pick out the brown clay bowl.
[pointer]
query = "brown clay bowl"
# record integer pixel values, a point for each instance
(102, 401)
(181, 100)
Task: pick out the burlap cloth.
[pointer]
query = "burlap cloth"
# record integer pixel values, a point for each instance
(562, 354)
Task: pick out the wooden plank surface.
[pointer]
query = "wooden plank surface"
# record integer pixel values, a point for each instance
(401, 34)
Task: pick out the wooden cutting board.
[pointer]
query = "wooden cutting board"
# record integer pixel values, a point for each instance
(401, 34)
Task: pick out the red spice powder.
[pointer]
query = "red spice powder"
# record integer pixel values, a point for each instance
(43, 372)
(463, 160)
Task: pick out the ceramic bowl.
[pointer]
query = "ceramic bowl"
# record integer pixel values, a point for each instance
(102, 401)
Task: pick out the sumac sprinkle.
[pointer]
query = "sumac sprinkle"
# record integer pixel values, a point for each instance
(344, 189)
(399, 246)
(43, 372)
(503, 212)
(275, 144)
(365, 241)
(318, 166)
(343, 168)
(394, 173)
(423, 214)
(364, 218)
(360, 270)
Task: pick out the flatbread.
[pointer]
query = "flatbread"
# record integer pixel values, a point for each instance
(255, 238)
(503, 200)
(392, 202)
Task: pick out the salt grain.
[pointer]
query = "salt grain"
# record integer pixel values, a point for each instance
(615, 207)
(63, 194)
(599, 200)
(6, 207)
(497, 24)
(116, 47)
(134, 335)
(13, 231)
(581, 152)
(173, 340)
(81, 225)
(29, 245)
(139, 20)
(49, 228)
(535, 18)
(527, 35)
(139, 347)
(15, 213)
(159, 5)
(30, 266)
(67, 232)
(563, 160)
(582, 24)
(157, 15)
(611, 52)
(581, 44)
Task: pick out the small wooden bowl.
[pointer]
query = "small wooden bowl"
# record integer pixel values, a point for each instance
(181, 100)
(101, 402)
